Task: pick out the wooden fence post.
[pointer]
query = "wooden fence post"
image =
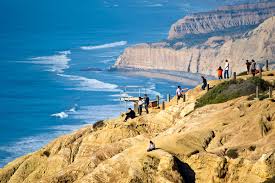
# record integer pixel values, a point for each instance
(207, 88)
(234, 76)
(266, 65)
(168, 97)
(184, 97)
(157, 97)
(257, 92)
(163, 105)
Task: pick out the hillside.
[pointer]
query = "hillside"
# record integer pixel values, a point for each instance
(227, 142)
(206, 54)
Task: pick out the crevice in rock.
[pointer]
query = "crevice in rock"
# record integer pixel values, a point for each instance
(188, 174)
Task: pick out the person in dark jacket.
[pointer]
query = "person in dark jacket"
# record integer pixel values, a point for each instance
(130, 115)
(253, 68)
(146, 103)
(204, 83)
(248, 64)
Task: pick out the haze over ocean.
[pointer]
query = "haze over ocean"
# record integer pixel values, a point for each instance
(54, 60)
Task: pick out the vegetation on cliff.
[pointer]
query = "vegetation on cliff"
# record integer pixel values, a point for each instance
(231, 89)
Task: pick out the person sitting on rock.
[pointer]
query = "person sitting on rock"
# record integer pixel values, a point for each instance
(130, 115)
(204, 83)
(220, 70)
(151, 146)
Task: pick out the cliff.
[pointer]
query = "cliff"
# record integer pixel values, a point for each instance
(221, 143)
(223, 18)
(204, 57)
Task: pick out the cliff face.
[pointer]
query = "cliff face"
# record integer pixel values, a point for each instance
(231, 142)
(223, 18)
(206, 57)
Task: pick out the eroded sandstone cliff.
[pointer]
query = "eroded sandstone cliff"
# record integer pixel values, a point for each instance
(223, 18)
(231, 142)
(206, 57)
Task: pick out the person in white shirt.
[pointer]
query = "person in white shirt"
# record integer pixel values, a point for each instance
(140, 104)
(226, 70)
(178, 93)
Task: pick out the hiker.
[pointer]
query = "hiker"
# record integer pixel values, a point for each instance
(220, 70)
(248, 64)
(151, 146)
(140, 103)
(204, 83)
(253, 68)
(226, 70)
(146, 103)
(131, 114)
(178, 93)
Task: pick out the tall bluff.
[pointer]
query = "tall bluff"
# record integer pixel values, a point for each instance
(223, 18)
(258, 44)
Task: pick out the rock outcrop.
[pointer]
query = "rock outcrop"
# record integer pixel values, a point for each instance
(206, 57)
(230, 142)
(222, 18)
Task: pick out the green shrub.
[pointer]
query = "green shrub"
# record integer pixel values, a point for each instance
(231, 89)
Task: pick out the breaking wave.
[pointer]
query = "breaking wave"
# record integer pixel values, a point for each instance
(56, 63)
(86, 84)
(103, 46)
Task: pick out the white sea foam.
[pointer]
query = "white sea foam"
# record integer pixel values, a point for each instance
(103, 46)
(56, 63)
(84, 114)
(86, 84)
(155, 5)
(60, 115)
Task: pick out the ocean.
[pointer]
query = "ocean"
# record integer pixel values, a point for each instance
(55, 59)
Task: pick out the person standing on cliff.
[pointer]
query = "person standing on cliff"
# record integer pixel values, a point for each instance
(204, 83)
(253, 68)
(226, 70)
(140, 104)
(248, 64)
(146, 103)
(220, 70)
(178, 93)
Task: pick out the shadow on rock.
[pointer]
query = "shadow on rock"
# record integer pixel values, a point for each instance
(186, 171)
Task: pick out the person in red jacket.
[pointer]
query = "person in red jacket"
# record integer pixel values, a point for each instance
(220, 70)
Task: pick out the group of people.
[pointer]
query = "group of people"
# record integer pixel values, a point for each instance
(224, 72)
(250, 66)
(141, 102)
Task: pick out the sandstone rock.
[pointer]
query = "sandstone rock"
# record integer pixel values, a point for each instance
(207, 57)
(223, 18)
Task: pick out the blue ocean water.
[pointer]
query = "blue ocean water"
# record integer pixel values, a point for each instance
(54, 63)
